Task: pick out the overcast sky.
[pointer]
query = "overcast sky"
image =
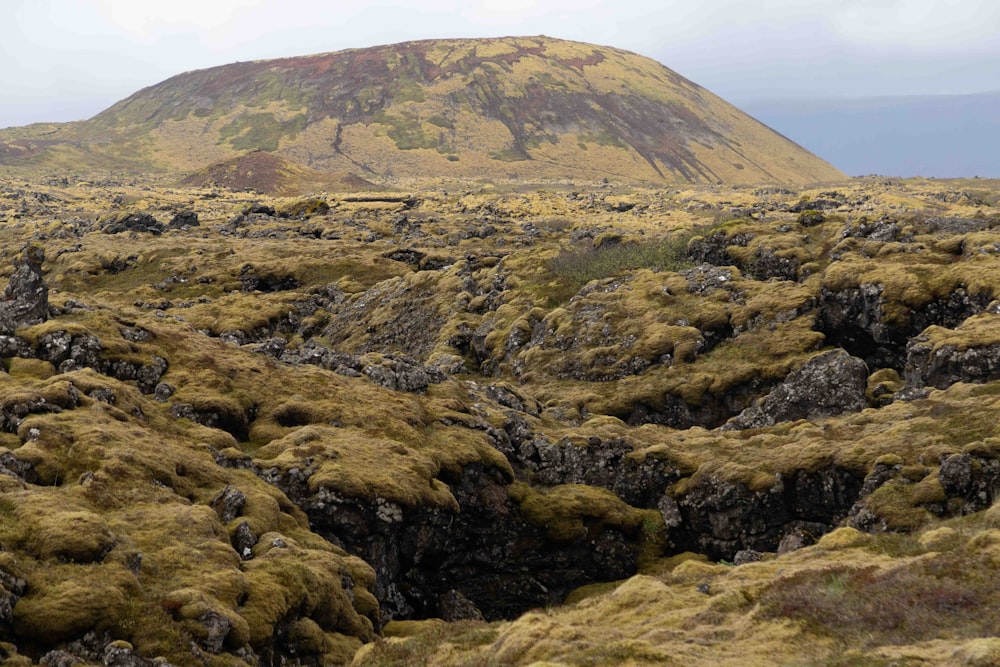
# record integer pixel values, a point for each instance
(69, 59)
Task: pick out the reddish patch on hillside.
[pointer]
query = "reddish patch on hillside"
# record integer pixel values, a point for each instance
(14, 152)
(257, 171)
(355, 182)
(269, 174)
(595, 58)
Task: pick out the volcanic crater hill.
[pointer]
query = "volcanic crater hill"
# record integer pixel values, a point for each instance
(500, 427)
(529, 109)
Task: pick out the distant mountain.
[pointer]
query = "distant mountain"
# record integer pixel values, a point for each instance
(939, 136)
(526, 108)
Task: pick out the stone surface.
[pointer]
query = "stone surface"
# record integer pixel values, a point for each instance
(132, 222)
(941, 367)
(829, 384)
(26, 297)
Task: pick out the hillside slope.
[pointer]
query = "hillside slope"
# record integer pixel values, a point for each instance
(512, 108)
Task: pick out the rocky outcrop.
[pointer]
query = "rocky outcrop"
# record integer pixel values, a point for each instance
(118, 223)
(829, 384)
(12, 587)
(402, 374)
(767, 264)
(417, 315)
(855, 319)
(224, 415)
(967, 483)
(973, 480)
(391, 371)
(723, 517)
(98, 649)
(26, 297)
(712, 411)
(14, 409)
(68, 351)
(607, 463)
(940, 367)
(183, 219)
(487, 550)
(712, 249)
(254, 280)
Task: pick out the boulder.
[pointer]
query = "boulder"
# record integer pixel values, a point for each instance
(131, 222)
(829, 384)
(941, 367)
(183, 219)
(26, 298)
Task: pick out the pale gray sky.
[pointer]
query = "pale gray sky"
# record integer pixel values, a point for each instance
(69, 59)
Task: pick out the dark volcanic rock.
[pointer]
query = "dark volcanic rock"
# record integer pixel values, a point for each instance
(67, 352)
(712, 249)
(225, 417)
(487, 550)
(927, 366)
(973, 479)
(183, 219)
(253, 280)
(855, 320)
(712, 411)
(26, 297)
(402, 374)
(829, 384)
(228, 504)
(131, 222)
(766, 265)
(638, 481)
(721, 518)
(12, 587)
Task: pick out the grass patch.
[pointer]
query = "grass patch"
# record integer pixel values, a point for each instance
(576, 267)
(260, 131)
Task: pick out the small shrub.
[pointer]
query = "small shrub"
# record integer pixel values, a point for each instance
(578, 267)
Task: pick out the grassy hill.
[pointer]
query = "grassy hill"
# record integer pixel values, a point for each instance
(496, 109)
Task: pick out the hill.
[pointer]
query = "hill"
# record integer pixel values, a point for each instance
(941, 136)
(262, 172)
(516, 108)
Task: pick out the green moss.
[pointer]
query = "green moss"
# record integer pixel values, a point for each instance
(260, 131)
(572, 511)
(286, 578)
(304, 208)
(575, 268)
(602, 137)
(441, 121)
(74, 536)
(67, 603)
(508, 155)
(897, 504)
(407, 130)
